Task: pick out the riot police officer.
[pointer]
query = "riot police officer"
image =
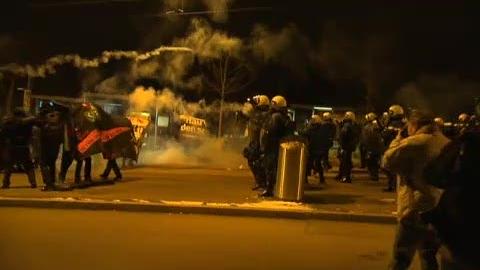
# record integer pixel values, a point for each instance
(330, 133)
(348, 139)
(462, 123)
(257, 116)
(17, 132)
(372, 141)
(318, 137)
(394, 123)
(274, 129)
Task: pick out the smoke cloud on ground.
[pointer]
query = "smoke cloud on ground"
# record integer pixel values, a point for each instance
(209, 152)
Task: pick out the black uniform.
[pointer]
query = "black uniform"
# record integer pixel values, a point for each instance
(363, 151)
(70, 154)
(51, 134)
(330, 133)
(374, 146)
(252, 152)
(389, 133)
(17, 133)
(320, 140)
(277, 126)
(348, 139)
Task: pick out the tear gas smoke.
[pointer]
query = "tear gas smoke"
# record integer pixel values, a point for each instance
(142, 99)
(49, 67)
(205, 42)
(219, 9)
(287, 47)
(209, 43)
(446, 96)
(175, 153)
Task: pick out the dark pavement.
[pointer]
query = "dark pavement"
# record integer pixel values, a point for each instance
(215, 185)
(76, 239)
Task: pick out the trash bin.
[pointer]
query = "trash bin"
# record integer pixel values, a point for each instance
(291, 170)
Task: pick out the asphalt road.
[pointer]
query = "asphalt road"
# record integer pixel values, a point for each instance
(76, 239)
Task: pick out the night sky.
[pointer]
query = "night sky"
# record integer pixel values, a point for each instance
(387, 47)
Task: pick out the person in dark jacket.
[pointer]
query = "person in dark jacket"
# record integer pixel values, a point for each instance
(274, 129)
(257, 116)
(319, 139)
(394, 123)
(348, 139)
(17, 134)
(331, 132)
(51, 137)
(70, 154)
(372, 141)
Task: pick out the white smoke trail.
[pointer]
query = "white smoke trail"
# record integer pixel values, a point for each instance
(49, 67)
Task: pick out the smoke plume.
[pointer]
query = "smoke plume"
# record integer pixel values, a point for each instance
(49, 67)
(207, 42)
(175, 153)
(219, 9)
(142, 99)
(287, 47)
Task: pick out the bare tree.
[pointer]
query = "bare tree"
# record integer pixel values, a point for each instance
(225, 75)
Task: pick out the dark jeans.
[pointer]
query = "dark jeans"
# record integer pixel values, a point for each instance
(258, 171)
(18, 155)
(270, 162)
(391, 180)
(67, 160)
(363, 156)
(112, 164)
(412, 235)
(373, 164)
(346, 165)
(87, 172)
(48, 158)
(315, 164)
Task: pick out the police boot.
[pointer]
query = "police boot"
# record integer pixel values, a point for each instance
(31, 178)
(49, 184)
(347, 179)
(268, 192)
(6, 180)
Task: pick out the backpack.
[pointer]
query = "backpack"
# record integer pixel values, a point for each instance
(455, 217)
(456, 164)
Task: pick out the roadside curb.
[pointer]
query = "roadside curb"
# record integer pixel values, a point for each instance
(202, 209)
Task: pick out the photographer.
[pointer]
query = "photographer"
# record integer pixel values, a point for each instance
(414, 147)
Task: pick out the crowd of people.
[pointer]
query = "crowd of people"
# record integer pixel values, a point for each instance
(429, 163)
(29, 141)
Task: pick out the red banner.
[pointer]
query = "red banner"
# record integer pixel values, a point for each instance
(108, 135)
(89, 141)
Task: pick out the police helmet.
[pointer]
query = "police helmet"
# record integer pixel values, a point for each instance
(349, 116)
(463, 118)
(261, 100)
(327, 116)
(316, 119)
(396, 111)
(439, 121)
(279, 102)
(247, 108)
(370, 117)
